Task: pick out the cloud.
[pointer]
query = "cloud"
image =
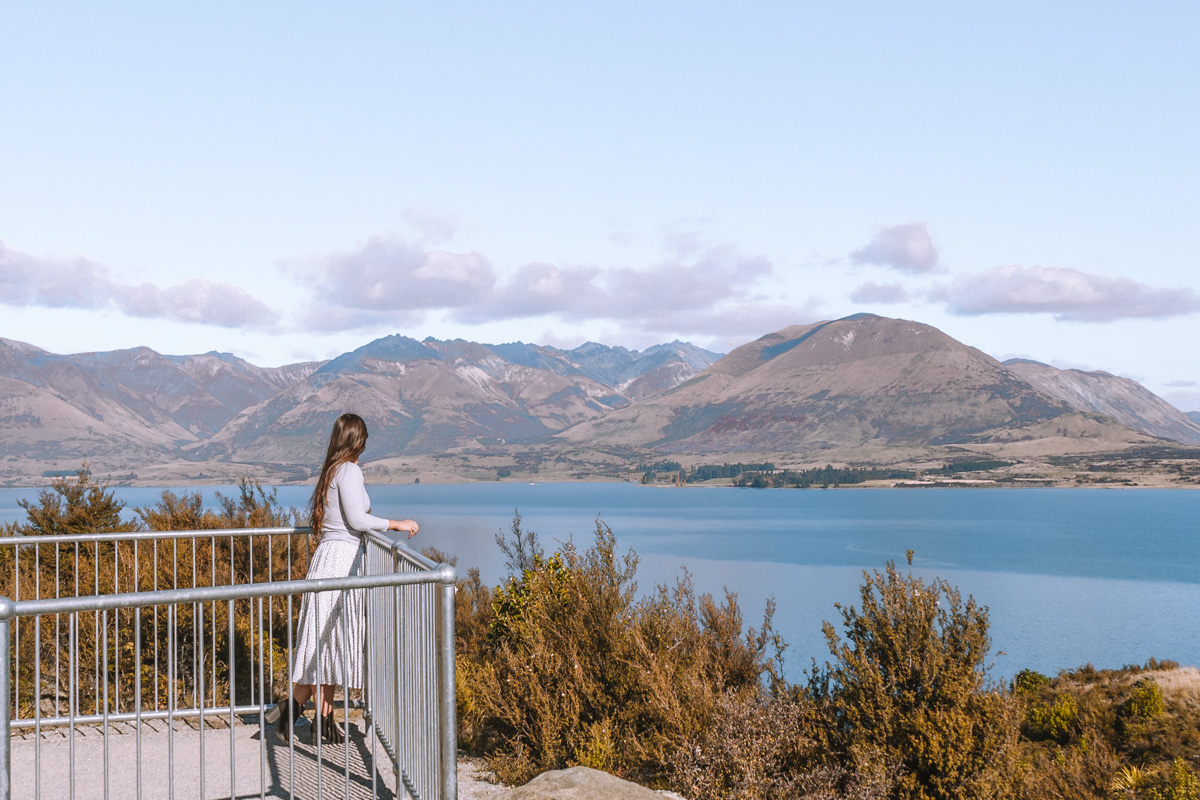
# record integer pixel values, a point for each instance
(739, 320)
(669, 289)
(879, 293)
(536, 290)
(390, 280)
(198, 300)
(1068, 294)
(1182, 384)
(717, 275)
(907, 247)
(27, 280)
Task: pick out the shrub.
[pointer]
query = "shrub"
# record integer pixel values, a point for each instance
(1176, 783)
(1028, 680)
(908, 686)
(1085, 770)
(1179, 784)
(1145, 701)
(574, 669)
(1053, 720)
(82, 506)
(72, 506)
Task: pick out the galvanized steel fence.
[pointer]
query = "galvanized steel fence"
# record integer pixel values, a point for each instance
(173, 634)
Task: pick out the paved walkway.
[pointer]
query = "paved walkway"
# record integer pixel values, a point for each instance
(238, 763)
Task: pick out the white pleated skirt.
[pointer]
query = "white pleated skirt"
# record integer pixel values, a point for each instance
(331, 623)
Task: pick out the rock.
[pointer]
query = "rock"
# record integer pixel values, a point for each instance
(580, 783)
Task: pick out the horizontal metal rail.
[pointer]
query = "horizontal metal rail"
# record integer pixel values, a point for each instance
(165, 597)
(150, 536)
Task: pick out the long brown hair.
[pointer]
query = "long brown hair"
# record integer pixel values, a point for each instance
(346, 443)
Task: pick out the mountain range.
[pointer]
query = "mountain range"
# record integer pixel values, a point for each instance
(860, 388)
(868, 382)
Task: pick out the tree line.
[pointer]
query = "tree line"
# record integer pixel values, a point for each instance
(766, 475)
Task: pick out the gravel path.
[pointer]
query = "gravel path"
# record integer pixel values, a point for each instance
(475, 782)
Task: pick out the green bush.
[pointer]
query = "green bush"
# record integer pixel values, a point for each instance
(1028, 680)
(1179, 784)
(1053, 720)
(1145, 701)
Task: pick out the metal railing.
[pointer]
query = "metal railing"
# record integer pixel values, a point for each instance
(412, 626)
(186, 631)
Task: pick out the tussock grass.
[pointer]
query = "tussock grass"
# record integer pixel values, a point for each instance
(1181, 686)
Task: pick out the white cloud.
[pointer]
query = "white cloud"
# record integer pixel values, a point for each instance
(907, 247)
(880, 293)
(685, 296)
(739, 320)
(198, 300)
(537, 290)
(1068, 294)
(699, 289)
(719, 274)
(27, 280)
(390, 280)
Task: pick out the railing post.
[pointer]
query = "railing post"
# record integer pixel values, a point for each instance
(6, 612)
(446, 689)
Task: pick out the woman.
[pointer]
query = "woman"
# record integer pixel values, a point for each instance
(331, 623)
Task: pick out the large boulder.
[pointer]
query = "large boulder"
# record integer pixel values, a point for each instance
(581, 783)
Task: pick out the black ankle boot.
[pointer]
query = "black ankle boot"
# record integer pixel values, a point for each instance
(287, 712)
(331, 731)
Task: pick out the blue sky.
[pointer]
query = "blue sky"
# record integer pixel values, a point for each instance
(288, 181)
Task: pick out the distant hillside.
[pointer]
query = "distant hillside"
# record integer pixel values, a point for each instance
(862, 380)
(434, 396)
(129, 408)
(1194, 416)
(201, 393)
(54, 413)
(1122, 399)
(859, 388)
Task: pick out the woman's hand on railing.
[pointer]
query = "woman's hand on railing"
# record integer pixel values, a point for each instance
(408, 525)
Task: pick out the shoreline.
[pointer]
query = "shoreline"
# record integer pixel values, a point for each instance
(896, 484)
(863, 467)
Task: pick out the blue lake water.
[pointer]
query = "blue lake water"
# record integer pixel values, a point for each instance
(1070, 576)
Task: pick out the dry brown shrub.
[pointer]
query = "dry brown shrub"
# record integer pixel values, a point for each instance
(759, 748)
(1082, 771)
(104, 644)
(575, 669)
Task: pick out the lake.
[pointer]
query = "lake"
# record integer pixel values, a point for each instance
(1071, 576)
